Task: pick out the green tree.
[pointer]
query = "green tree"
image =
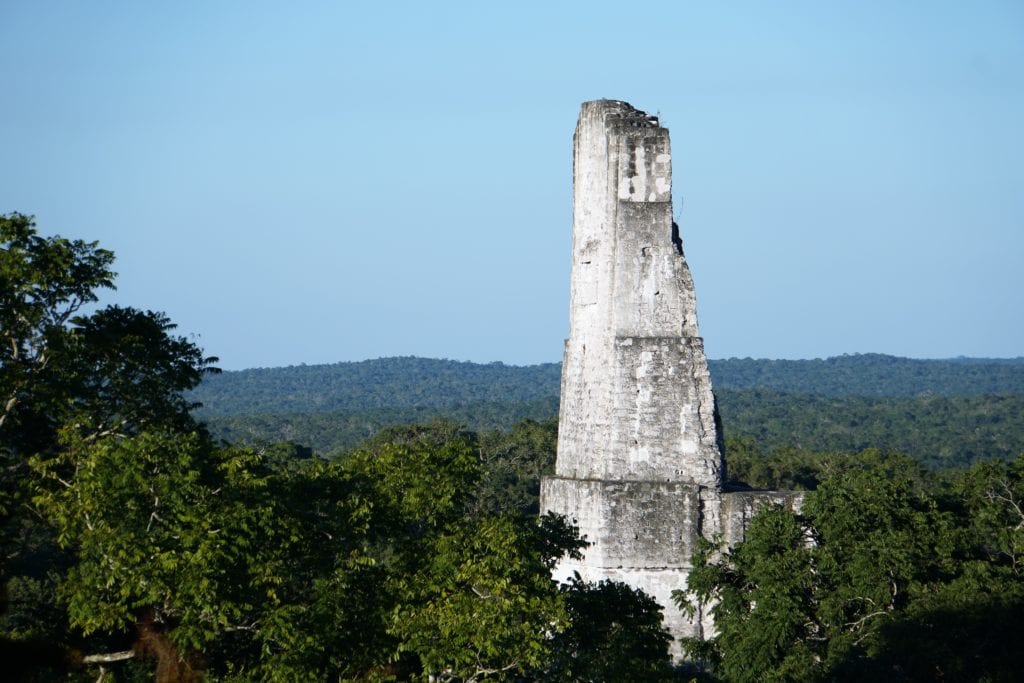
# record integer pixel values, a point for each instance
(125, 371)
(161, 537)
(761, 596)
(816, 595)
(513, 464)
(615, 633)
(230, 562)
(115, 371)
(216, 560)
(43, 284)
(472, 591)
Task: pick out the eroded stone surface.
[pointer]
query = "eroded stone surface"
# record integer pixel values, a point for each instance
(636, 395)
(640, 464)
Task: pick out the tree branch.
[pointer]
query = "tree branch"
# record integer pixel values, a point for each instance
(854, 625)
(1009, 498)
(108, 657)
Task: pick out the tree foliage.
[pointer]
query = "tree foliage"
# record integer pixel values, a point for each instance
(881, 559)
(115, 370)
(872, 375)
(939, 431)
(942, 432)
(472, 587)
(43, 283)
(112, 371)
(443, 385)
(136, 544)
(615, 633)
(382, 383)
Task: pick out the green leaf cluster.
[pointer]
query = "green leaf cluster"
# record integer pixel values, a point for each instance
(615, 633)
(886, 573)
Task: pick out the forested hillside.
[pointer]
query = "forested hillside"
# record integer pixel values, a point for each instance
(942, 412)
(328, 432)
(410, 382)
(939, 431)
(873, 374)
(404, 382)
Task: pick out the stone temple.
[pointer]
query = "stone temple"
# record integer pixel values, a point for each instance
(640, 461)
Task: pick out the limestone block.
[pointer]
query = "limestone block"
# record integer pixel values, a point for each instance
(640, 532)
(630, 523)
(739, 507)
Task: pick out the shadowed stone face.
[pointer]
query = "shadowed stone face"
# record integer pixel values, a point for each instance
(639, 465)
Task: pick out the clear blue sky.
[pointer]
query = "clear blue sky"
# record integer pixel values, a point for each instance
(313, 182)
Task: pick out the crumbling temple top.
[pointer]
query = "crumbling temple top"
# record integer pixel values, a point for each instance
(640, 464)
(636, 394)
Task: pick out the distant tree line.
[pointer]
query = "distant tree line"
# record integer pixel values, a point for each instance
(384, 383)
(873, 375)
(944, 413)
(328, 433)
(409, 382)
(939, 431)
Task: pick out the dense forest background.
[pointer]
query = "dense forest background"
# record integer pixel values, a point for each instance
(291, 530)
(945, 413)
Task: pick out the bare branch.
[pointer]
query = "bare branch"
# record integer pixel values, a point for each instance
(485, 671)
(486, 596)
(108, 657)
(113, 429)
(1010, 499)
(854, 625)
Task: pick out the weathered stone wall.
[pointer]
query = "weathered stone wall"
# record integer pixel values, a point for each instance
(641, 532)
(639, 468)
(639, 465)
(636, 395)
